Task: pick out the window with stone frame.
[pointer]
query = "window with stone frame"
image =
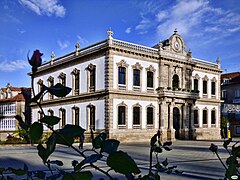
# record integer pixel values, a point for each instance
(195, 116)
(213, 116)
(76, 115)
(62, 116)
(224, 94)
(195, 84)
(76, 81)
(50, 84)
(92, 116)
(62, 79)
(149, 79)
(150, 115)
(136, 77)
(205, 116)
(40, 85)
(121, 115)
(175, 81)
(137, 68)
(213, 86)
(50, 112)
(205, 85)
(136, 116)
(40, 115)
(92, 77)
(122, 75)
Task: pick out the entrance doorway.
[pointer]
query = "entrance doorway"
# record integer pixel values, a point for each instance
(176, 121)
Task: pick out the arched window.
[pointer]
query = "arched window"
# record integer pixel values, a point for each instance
(175, 81)
(75, 115)
(75, 84)
(62, 114)
(121, 115)
(136, 116)
(91, 110)
(91, 77)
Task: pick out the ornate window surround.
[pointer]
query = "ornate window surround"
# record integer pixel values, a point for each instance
(153, 70)
(75, 72)
(93, 127)
(61, 110)
(215, 111)
(50, 83)
(137, 126)
(91, 67)
(62, 78)
(74, 108)
(215, 81)
(205, 109)
(151, 126)
(124, 64)
(138, 67)
(205, 78)
(126, 116)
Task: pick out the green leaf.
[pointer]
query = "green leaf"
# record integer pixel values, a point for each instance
(21, 123)
(67, 176)
(43, 153)
(226, 143)
(157, 149)
(38, 96)
(168, 143)
(86, 175)
(58, 90)
(36, 131)
(18, 172)
(40, 174)
(165, 162)
(109, 146)
(51, 143)
(121, 162)
(97, 141)
(57, 162)
(153, 140)
(68, 133)
(90, 159)
(167, 148)
(50, 120)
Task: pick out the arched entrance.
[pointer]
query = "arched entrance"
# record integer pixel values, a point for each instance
(176, 121)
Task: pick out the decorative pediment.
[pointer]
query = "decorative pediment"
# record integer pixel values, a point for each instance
(214, 79)
(40, 82)
(90, 105)
(205, 78)
(137, 66)
(75, 107)
(150, 68)
(122, 104)
(196, 76)
(91, 67)
(122, 63)
(137, 105)
(50, 78)
(76, 71)
(62, 75)
(150, 105)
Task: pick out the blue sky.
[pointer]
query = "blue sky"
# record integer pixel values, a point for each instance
(210, 28)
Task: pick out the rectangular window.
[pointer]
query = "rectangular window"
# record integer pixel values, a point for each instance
(213, 89)
(76, 84)
(92, 117)
(92, 79)
(63, 117)
(136, 116)
(150, 79)
(224, 94)
(150, 116)
(213, 117)
(204, 87)
(195, 116)
(121, 75)
(121, 115)
(237, 93)
(204, 116)
(51, 83)
(76, 116)
(195, 84)
(136, 77)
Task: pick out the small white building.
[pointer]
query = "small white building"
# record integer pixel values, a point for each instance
(130, 91)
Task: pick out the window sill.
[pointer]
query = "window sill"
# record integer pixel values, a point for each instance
(122, 86)
(121, 126)
(151, 90)
(136, 88)
(136, 127)
(149, 126)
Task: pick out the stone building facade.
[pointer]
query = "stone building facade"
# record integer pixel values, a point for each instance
(13, 101)
(230, 89)
(131, 91)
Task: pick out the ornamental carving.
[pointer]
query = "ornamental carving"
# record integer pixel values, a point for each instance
(50, 78)
(75, 71)
(137, 105)
(62, 75)
(122, 63)
(205, 78)
(214, 79)
(196, 76)
(40, 82)
(137, 66)
(91, 67)
(122, 104)
(151, 69)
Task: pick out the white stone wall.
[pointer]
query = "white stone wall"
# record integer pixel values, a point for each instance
(129, 81)
(130, 103)
(83, 112)
(100, 81)
(200, 81)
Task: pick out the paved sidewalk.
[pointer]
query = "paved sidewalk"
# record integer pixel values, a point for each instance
(192, 157)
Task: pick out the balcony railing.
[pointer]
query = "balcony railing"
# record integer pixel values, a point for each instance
(7, 124)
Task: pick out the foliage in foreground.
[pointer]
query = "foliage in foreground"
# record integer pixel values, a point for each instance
(103, 149)
(232, 163)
